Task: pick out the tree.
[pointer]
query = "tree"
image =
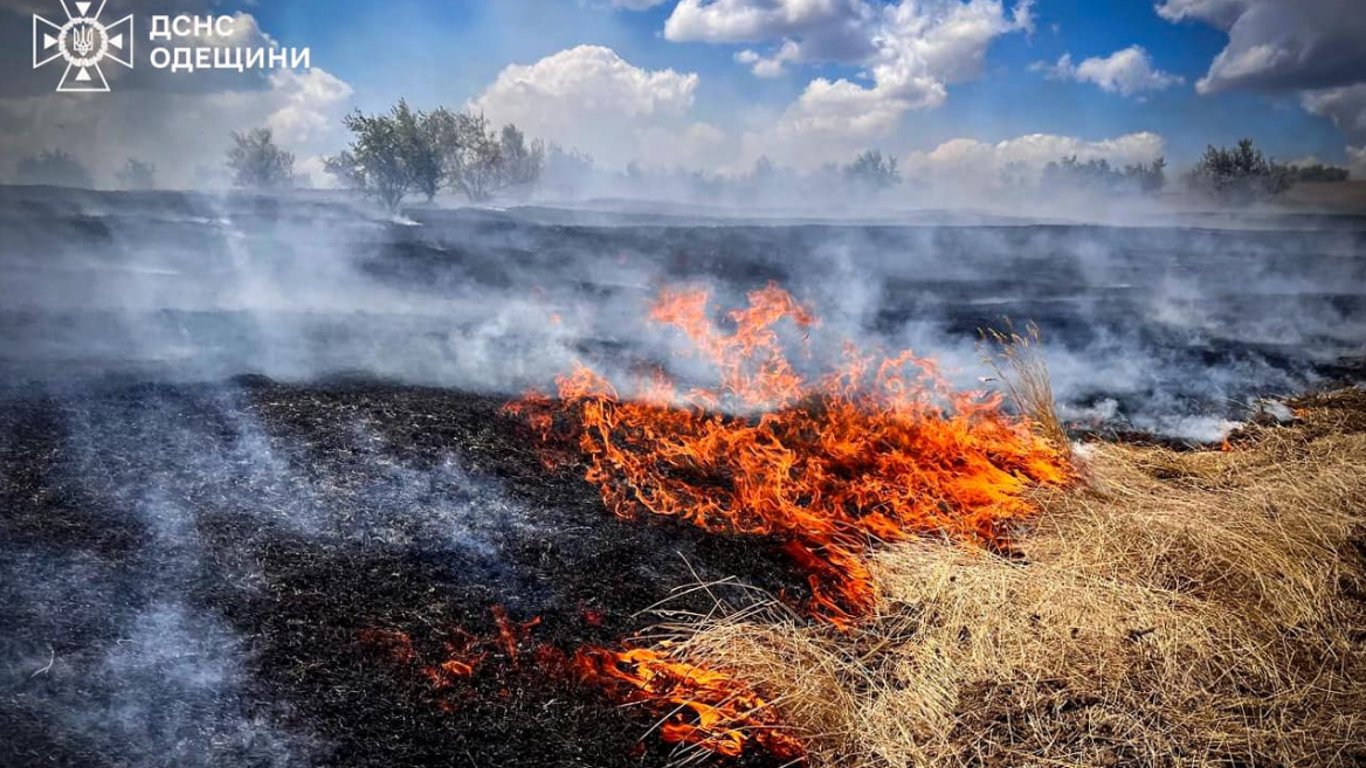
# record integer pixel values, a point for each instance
(522, 164)
(1239, 174)
(566, 169)
(407, 151)
(473, 157)
(872, 171)
(377, 161)
(420, 136)
(54, 168)
(137, 174)
(256, 162)
(1097, 175)
(1148, 177)
(344, 167)
(1318, 172)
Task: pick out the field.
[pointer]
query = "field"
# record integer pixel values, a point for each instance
(263, 500)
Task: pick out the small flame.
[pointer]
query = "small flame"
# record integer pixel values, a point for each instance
(700, 706)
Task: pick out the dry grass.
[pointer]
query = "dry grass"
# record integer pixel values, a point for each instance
(1022, 372)
(1183, 609)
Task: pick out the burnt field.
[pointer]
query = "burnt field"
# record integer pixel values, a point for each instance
(258, 485)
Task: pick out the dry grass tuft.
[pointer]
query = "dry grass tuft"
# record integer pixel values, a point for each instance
(1020, 368)
(1183, 609)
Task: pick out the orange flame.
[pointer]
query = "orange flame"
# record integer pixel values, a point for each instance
(880, 449)
(701, 706)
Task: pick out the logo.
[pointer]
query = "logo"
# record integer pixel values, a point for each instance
(82, 41)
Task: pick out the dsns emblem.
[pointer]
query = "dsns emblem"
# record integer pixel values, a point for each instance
(82, 41)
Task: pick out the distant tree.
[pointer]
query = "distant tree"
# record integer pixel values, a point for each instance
(1239, 174)
(522, 163)
(257, 163)
(566, 169)
(1016, 174)
(872, 171)
(137, 174)
(1097, 175)
(1147, 177)
(1318, 172)
(763, 171)
(473, 158)
(55, 168)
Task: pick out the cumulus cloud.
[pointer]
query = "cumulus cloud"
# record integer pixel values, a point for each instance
(1128, 72)
(978, 163)
(1313, 47)
(770, 66)
(1346, 107)
(912, 52)
(822, 29)
(591, 99)
(1279, 45)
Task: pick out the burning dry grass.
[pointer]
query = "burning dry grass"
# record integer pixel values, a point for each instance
(976, 604)
(1185, 609)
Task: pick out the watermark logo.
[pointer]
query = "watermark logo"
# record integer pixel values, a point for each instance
(83, 42)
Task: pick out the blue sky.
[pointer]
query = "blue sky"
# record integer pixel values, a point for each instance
(951, 88)
(448, 52)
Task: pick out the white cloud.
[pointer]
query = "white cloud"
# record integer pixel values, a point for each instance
(770, 66)
(1356, 162)
(978, 163)
(1128, 72)
(827, 29)
(912, 51)
(591, 99)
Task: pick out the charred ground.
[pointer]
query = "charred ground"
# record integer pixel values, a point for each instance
(302, 600)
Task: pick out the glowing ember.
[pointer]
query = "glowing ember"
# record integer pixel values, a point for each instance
(700, 706)
(880, 449)
(464, 653)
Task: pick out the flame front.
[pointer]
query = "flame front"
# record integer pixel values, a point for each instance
(880, 449)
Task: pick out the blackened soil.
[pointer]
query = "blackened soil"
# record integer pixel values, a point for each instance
(288, 521)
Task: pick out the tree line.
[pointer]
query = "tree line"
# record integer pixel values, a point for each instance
(406, 152)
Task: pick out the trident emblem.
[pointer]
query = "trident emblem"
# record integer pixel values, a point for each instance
(83, 42)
